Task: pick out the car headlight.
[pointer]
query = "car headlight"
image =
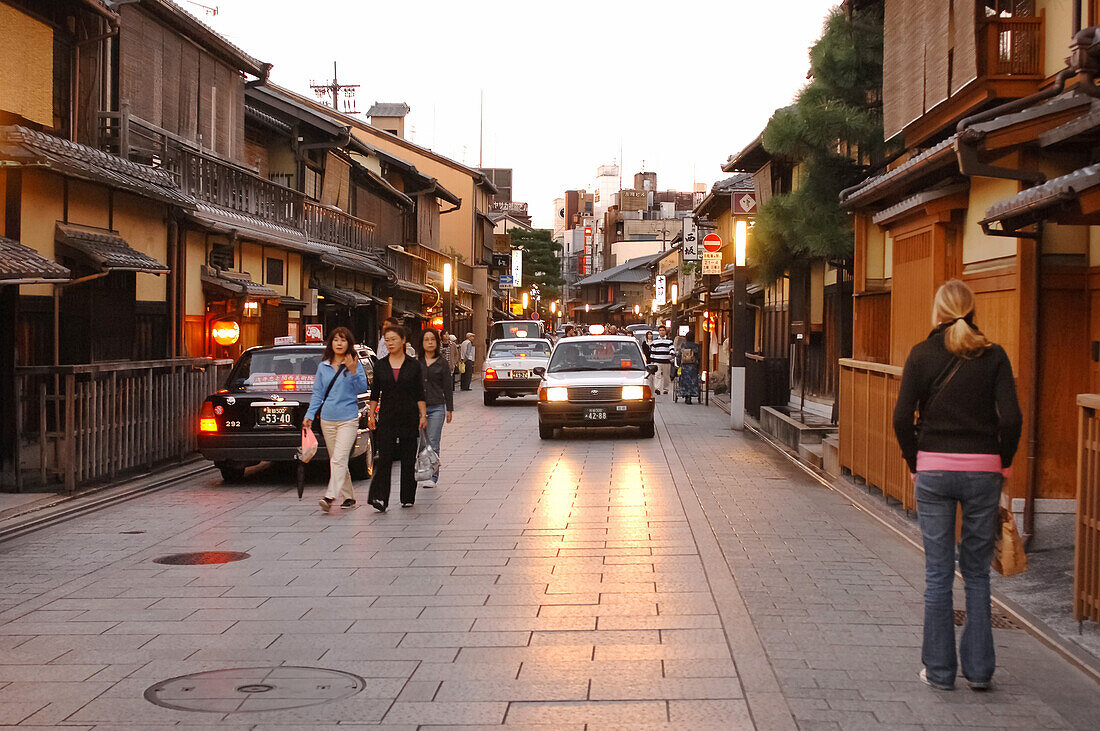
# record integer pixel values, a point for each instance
(557, 393)
(633, 393)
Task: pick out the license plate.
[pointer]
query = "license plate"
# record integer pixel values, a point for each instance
(521, 374)
(275, 416)
(595, 414)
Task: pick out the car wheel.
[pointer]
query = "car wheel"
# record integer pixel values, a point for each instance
(490, 398)
(231, 473)
(545, 432)
(360, 467)
(647, 430)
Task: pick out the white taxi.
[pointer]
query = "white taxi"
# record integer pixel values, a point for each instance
(510, 367)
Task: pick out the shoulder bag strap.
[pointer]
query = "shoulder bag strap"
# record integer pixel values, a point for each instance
(329, 389)
(942, 380)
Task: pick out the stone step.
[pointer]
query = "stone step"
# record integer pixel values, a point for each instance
(831, 457)
(811, 454)
(797, 429)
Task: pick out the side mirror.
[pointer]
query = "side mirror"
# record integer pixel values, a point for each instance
(539, 371)
(652, 368)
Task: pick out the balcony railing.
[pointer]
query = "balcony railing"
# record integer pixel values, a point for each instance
(219, 182)
(1013, 47)
(324, 223)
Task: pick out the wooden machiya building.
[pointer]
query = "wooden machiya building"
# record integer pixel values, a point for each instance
(993, 189)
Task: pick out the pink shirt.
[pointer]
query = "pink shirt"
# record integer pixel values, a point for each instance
(949, 462)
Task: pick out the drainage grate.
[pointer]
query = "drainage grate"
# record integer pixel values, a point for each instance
(248, 690)
(201, 558)
(1000, 620)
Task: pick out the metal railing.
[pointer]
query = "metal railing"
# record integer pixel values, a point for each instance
(1013, 47)
(868, 449)
(84, 423)
(1086, 569)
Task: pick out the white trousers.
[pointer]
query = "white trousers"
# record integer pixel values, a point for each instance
(661, 380)
(340, 439)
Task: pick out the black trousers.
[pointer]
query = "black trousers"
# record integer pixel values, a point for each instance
(394, 446)
(468, 375)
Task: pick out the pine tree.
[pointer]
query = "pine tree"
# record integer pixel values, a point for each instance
(541, 261)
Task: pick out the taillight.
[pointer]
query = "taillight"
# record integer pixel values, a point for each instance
(207, 422)
(289, 385)
(490, 374)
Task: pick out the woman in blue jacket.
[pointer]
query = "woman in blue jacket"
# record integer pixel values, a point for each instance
(340, 375)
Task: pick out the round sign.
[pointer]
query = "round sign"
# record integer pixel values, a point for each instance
(712, 242)
(226, 332)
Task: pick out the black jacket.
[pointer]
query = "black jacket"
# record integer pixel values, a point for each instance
(398, 411)
(976, 411)
(439, 385)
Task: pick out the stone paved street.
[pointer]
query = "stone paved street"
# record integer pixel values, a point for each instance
(696, 580)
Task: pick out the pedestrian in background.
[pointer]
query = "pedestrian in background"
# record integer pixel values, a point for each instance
(453, 357)
(660, 354)
(339, 381)
(959, 450)
(397, 413)
(689, 359)
(570, 332)
(438, 390)
(380, 352)
(468, 355)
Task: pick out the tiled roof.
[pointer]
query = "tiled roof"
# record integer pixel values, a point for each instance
(238, 283)
(346, 297)
(29, 147)
(224, 220)
(934, 158)
(630, 271)
(23, 262)
(106, 249)
(1051, 193)
(1070, 100)
(389, 109)
(741, 181)
(337, 257)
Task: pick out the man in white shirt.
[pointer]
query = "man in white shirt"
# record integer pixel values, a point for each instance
(468, 354)
(381, 351)
(660, 354)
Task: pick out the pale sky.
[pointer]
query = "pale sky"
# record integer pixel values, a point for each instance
(679, 85)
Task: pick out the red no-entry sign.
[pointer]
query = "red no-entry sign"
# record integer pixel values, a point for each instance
(712, 242)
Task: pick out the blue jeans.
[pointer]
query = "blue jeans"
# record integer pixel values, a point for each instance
(979, 494)
(436, 417)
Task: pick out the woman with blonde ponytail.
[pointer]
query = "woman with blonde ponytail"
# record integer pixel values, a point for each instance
(959, 449)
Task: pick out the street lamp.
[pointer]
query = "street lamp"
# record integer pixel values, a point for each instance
(588, 308)
(740, 240)
(553, 308)
(526, 300)
(675, 292)
(637, 309)
(448, 299)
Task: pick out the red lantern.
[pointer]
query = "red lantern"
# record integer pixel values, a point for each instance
(226, 332)
(437, 322)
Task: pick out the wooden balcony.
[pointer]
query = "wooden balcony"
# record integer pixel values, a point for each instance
(868, 449)
(331, 225)
(213, 180)
(1086, 573)
(1012, 48)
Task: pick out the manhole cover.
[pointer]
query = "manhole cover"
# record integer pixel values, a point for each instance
(1000, 620)
(200, 558)
(246, 690)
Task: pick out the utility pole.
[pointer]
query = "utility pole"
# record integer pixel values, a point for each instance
(333, 89)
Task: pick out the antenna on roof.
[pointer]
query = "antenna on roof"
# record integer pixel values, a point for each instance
(206, 9)
(335, 90)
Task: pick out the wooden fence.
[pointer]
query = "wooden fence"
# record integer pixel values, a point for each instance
(83, 423)
(1086, 569)
(868, 449)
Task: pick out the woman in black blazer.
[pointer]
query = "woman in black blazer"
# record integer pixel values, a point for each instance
(399, 387)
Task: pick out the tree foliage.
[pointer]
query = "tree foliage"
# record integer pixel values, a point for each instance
(833, 134)
(541, 260)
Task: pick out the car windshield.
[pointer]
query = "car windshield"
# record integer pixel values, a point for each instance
(596, 355)
(504, 349)
(270, 368)
(514, 330)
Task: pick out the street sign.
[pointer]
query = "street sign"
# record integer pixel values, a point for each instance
(712, 262)
(690, 250)
(315, 333)
(659, 291)
(712, 242)
(506, 281)
(745, 203)
(517, 267)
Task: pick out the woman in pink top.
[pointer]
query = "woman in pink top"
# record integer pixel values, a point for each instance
(959, 449)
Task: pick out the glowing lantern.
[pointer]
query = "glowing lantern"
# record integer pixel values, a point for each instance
(437, 322)
(226, 332)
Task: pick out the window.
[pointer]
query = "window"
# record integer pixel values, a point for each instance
(312, 184)
(221, 256)
(274, 271)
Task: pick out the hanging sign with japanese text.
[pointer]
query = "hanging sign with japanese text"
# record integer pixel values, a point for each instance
(659, 291)
(712, 262)
(690, 251)
(517, 267)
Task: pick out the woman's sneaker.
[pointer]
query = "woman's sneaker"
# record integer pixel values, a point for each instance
(349, 503)
(928, 681)
(325, 503)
